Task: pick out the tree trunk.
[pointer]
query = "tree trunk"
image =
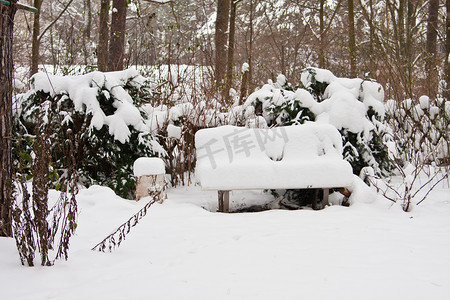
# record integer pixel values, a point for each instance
(430, 63)
(223, 11)
(351, 38)
(7, 14)
(102, 48)
(230, 60)
(372, 39)
(250, 50)
(35, 38)
(447, 51)
(410, 24)
(244, 84)
(117, 40)
(321, 35)
(87, 31)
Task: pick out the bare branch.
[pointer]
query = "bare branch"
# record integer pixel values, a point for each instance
(55, 20)
(434, 185)
(109, 243)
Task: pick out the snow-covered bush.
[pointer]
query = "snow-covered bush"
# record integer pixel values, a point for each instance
(174, 120)
(421, 153)
(40, 226)
(102, 112)
(353, 106)
(421, 129)
(117, 117)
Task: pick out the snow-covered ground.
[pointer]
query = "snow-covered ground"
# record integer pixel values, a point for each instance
(182, 250)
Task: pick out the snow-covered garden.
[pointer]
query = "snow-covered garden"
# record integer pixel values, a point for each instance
(385, 235)
(182, 251)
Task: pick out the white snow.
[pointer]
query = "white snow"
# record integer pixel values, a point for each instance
(303, 156)
(322, 75)
(83, 91)
(174, 131)
(424, 102)
(245, 67)
(182, 251)
(281, 80)
(342, 110)
(345, 101)
(361, 192)
(148, 166)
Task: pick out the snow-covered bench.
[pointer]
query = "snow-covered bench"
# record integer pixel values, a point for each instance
(307, 156)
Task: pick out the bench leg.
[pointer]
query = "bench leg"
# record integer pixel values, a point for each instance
(320, 203)
(326, 193)
(315, 200)
(224, 201)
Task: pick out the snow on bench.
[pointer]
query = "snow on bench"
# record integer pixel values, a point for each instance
(307, 156)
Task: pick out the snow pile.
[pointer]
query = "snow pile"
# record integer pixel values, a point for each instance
(353, 106)
(245, 68)
(361, 192)
(305, 156)
(182, 251)
(83, 90)
(343, 104)
(174, 131)
(162, 118)
(144, 166)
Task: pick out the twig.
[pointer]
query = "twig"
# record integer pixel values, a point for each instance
(109, 243)
(430, 180)
(446, 175)
(384, 191)
(55, 20)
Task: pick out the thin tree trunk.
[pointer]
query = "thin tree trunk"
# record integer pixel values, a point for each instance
(117, 40)
(244, 84)
(283, 59)
(35, 42)
(401, 25)
(371, 39)
(368, 14)
(223, 11)
(322, 35)
(431, 71)
(7, 14)
(88, 19)
(410, 24)
(37, 34)
(230, 60)
(103, 36)
(87, 31)
(351, 38)
(250, 50)
(447, 51)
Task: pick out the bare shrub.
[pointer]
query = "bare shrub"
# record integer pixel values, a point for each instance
(419, 150)
(35, 226)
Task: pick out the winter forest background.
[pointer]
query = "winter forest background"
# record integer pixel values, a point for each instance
(401, 44)
(98, 84)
